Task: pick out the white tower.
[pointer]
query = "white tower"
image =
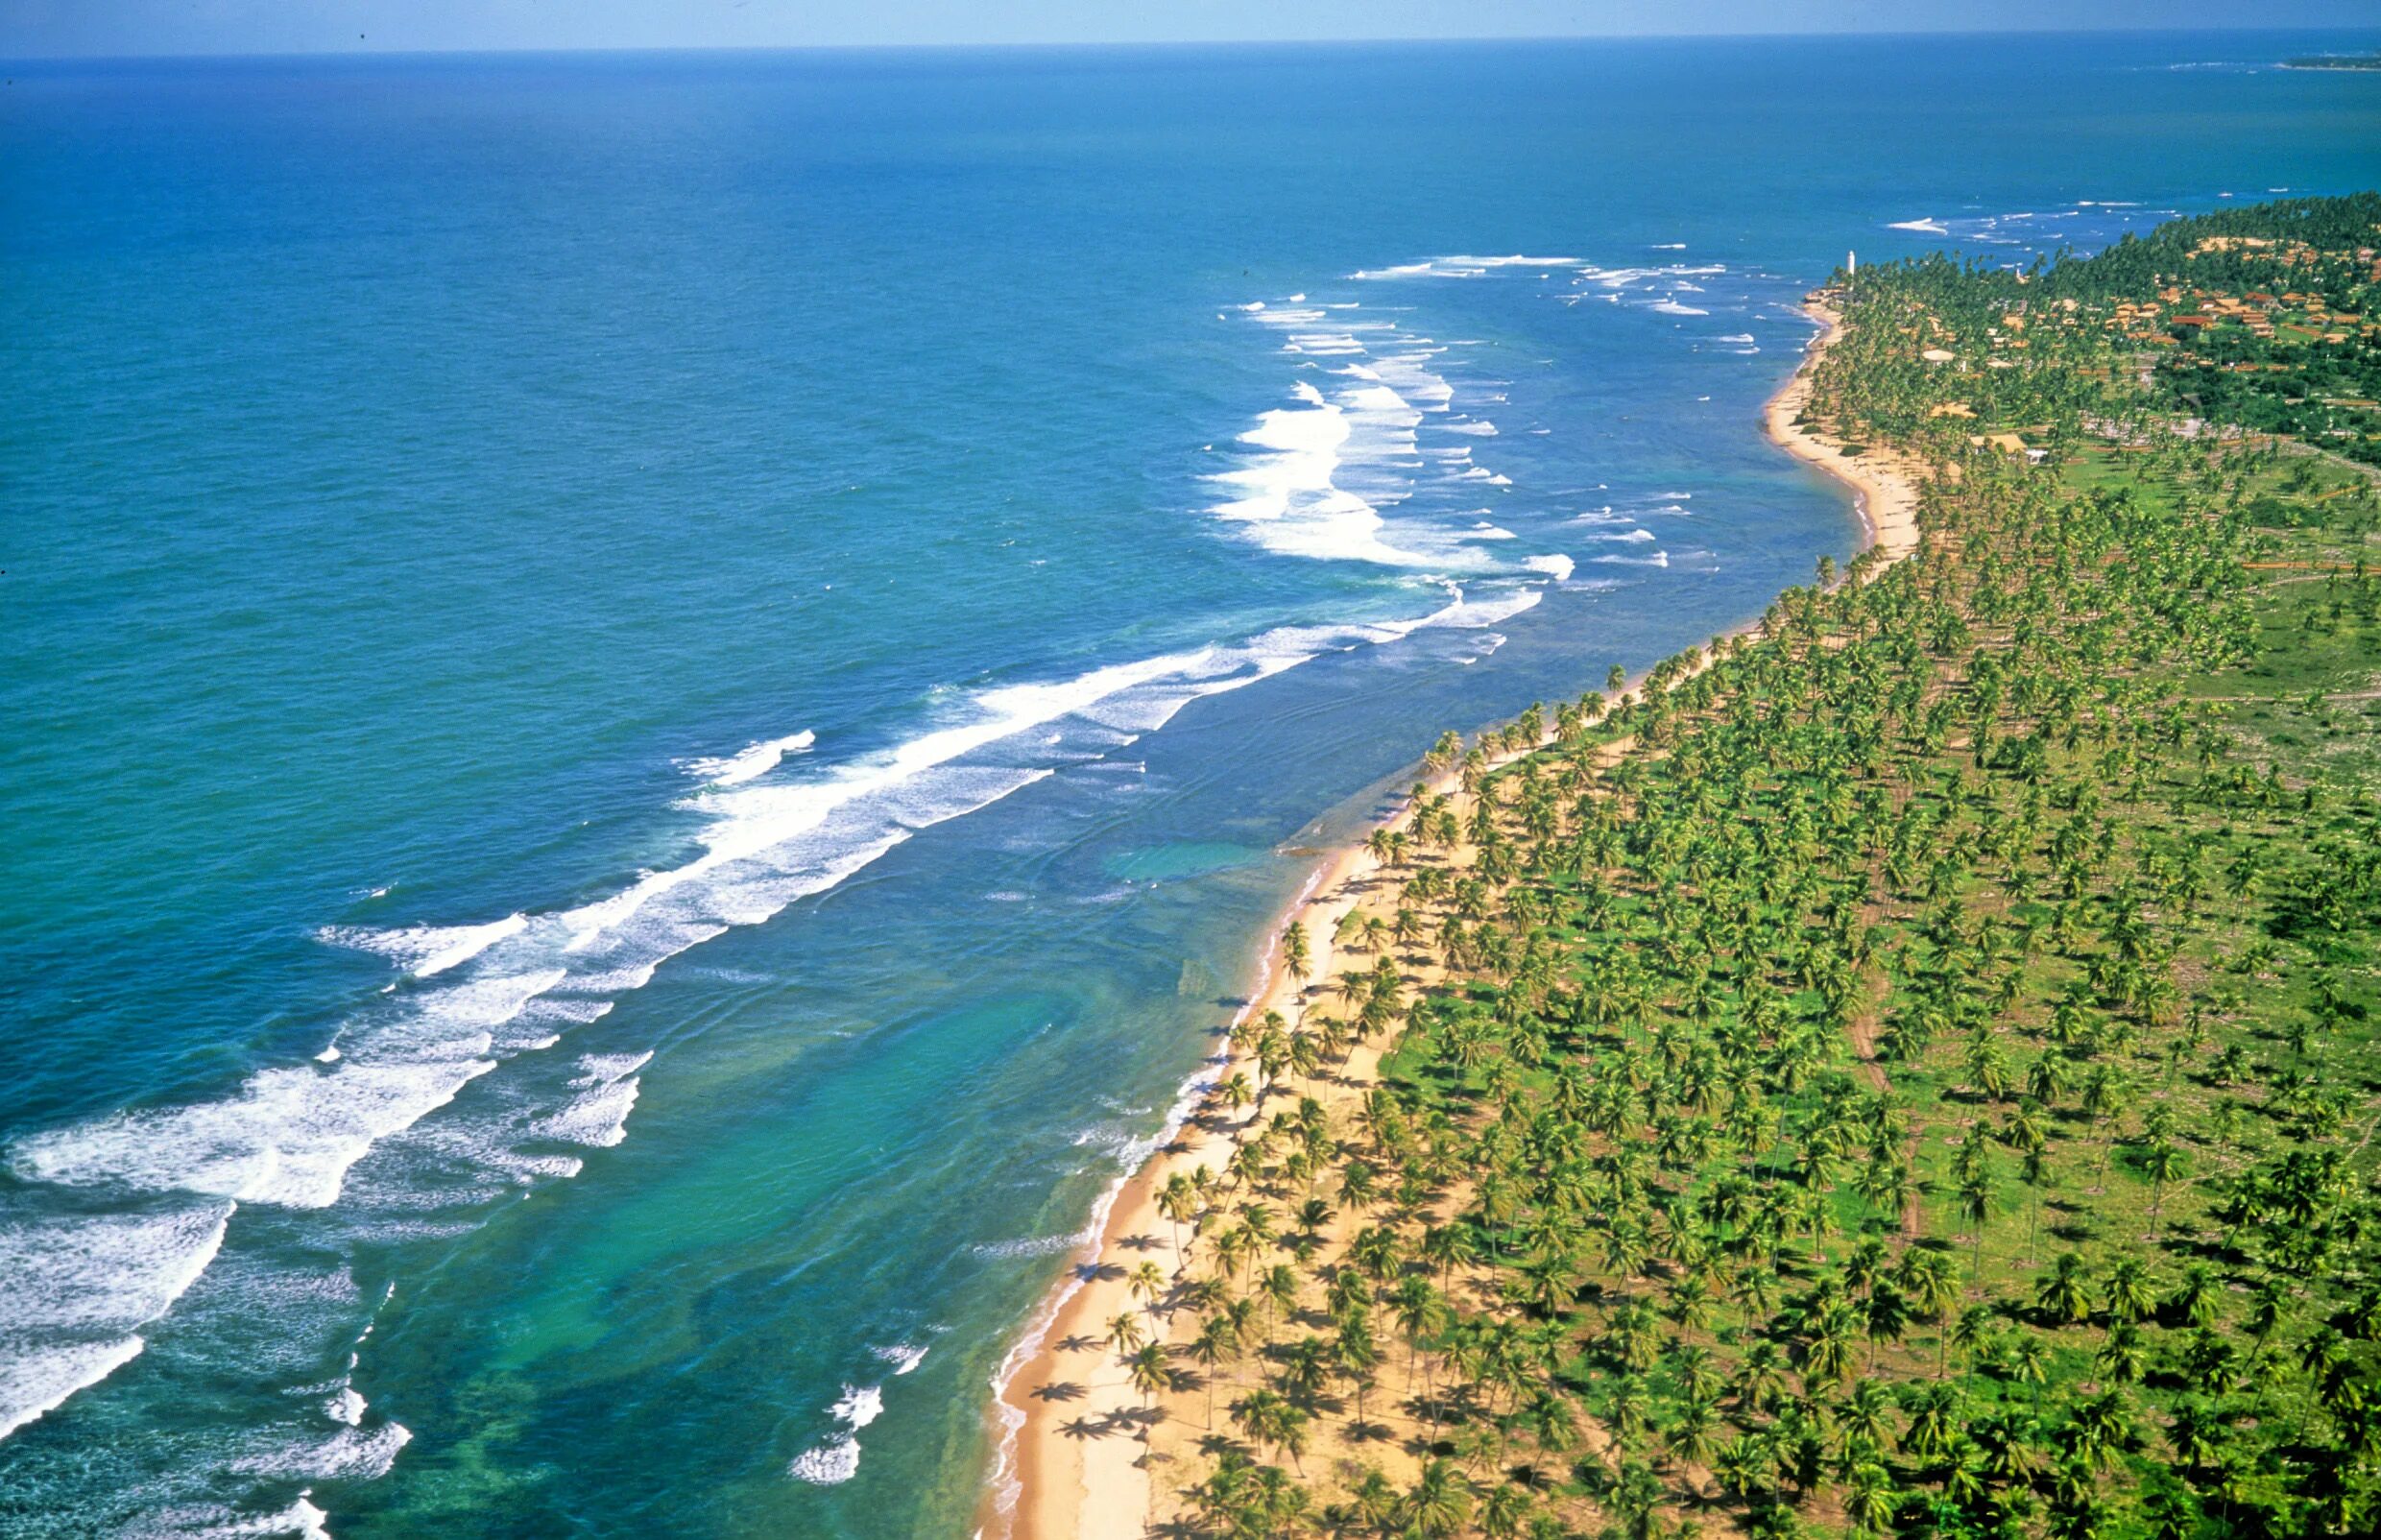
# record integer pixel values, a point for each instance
(1851, 264)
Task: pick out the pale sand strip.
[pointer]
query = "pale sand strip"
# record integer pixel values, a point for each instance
(1072, 1464)
(1884, 483)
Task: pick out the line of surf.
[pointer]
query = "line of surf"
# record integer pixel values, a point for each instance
(468, 999)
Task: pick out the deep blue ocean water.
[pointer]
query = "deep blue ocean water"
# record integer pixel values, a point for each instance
(653, 704)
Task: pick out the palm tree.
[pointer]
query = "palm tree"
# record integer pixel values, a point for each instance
(1421, 1313)
(1976, 1197)
(2130, 1292)
(2065, 1294)
(1355, 1355)
(1278, 1286)
(2121, 1358)
(1215, 1344)
(1438, 1502)
(2029, 1363)
(2034, 1169)
(1271, 1422)
(2163, 1162)
(1178, 1200)
(1150, 1374)
(1872, 1501)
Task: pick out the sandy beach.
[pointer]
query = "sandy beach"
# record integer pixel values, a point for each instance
(1883, 484)
(1082, 1457)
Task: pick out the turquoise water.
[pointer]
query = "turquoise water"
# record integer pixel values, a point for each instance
(654, 702)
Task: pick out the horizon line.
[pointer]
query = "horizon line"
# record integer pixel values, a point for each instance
(1019, 45)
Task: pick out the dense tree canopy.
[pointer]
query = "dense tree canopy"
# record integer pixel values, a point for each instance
(1910, 1072)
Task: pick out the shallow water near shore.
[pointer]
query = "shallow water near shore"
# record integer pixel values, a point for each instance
(664, 697)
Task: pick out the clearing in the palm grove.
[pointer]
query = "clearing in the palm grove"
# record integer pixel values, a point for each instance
(1908, 1070)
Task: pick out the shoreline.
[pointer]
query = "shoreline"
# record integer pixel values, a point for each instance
(1884, 493)
(1072, 1462)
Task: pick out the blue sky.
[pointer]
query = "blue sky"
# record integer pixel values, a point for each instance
(30, 28)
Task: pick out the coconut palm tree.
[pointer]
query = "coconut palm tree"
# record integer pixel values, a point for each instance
(1215, 1345)
(1437, 1504)
(1295, 952)
(1150, 1374)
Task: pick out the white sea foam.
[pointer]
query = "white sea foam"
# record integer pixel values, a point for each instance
(1290, 499)
(290, 1135)
(1037, 1245)
(1478, 429)
(1556, 565)
(1460, 266)
(607, 1085)
(104, 1274)
(1656, 559)
(828, 1465)
(425, 950)
(1927, 226)
(38, 1382)
(752, 762)
(1672, 307)
(351, 1454)
(469, 997)
(902, 1355)
(301, 1519)
(838, 1458)
(859, 1406)
(78, 1288)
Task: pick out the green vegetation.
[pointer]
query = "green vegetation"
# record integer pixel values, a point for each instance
(1917, 1074)
(2257, 319)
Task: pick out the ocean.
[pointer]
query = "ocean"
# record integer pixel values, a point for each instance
(657, 704)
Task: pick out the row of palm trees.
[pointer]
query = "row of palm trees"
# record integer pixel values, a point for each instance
(1714, 1184)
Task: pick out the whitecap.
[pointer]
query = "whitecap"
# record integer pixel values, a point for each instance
(902, 1355)
(756, 760)
(425, 950)
(838, 1458)
(32, 1384)
(351, 1453)
(607, 1085)
(828, 1465)
(859, 1406)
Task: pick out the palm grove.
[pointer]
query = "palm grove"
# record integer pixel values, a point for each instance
(1908, 1072)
